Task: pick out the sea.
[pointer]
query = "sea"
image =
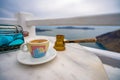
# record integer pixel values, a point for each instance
(79, 32)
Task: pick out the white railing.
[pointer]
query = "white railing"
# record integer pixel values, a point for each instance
(99, 20)
(104, 20)
(28, 22)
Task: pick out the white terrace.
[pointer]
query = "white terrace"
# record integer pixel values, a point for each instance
(29, 21)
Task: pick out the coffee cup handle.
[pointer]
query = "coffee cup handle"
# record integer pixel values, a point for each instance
(24, 47)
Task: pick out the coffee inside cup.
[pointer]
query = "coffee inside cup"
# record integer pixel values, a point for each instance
(38, 41)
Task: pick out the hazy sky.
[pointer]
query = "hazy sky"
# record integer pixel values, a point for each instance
(58, 8)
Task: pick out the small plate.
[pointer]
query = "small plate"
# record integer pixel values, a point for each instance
(26, 58)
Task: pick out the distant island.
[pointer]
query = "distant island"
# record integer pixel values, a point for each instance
(71, 27)
(42, 30)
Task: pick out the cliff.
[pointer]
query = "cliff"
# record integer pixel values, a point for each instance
(110, 41)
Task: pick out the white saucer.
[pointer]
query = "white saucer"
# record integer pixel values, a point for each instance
(27, 59)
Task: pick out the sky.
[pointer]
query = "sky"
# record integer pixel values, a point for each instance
(58, 8)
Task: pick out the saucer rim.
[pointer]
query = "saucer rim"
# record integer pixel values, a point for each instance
(38, 62)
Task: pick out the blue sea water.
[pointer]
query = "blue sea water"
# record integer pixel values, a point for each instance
(72, 34)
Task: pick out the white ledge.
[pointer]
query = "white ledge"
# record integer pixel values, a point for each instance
(110, 54)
